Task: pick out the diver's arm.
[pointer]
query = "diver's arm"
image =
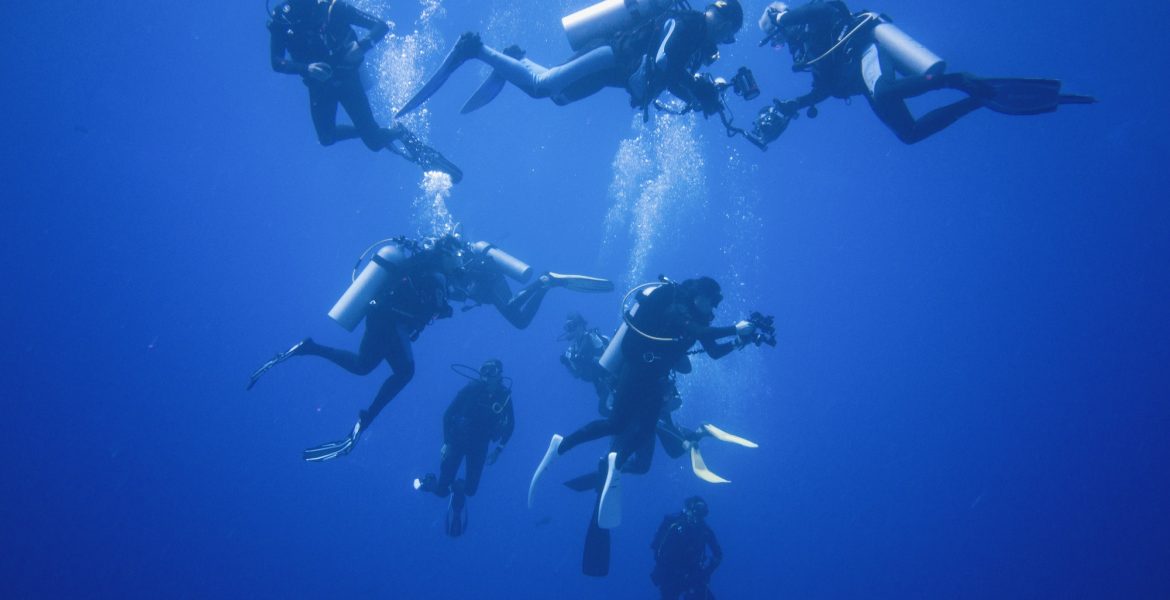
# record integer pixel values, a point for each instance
(819, 13)
(510, 426)
(709, 338)
(377, 28)
(281, 63)
(661, 534)
(814, 97)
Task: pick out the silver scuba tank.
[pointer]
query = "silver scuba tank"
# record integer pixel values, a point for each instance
(614, 358)
(604, 18)
(507, 264)
(910, 57)
(351, 308)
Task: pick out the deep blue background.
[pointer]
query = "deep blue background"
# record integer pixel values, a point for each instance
(969, 398)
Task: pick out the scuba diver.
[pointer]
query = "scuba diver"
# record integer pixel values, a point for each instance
(852, 54)
(682, 566)
(644, 46)
(654, 338)
(316, 40)
(481, 412)
(404, 287)
(582, 358)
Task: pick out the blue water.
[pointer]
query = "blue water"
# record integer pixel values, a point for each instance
(969, 397)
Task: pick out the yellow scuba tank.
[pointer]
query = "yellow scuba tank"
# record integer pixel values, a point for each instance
(608, 16)
(351, 308)
(507, 264)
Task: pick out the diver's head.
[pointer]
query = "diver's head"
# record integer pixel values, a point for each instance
(702, 296)
(491, 371)
(575, 326)
(300, 6)
(724, 19)
(695, 509)
(774, 32)
(449, 249)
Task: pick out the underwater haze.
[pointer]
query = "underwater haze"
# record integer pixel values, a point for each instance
(970, 396)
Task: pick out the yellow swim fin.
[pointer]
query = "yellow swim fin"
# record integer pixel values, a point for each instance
(701, 470)
(723, 436)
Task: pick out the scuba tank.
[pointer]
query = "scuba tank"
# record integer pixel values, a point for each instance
(506, 263)
(609, 16)
(614, 358)
(351, 308)
(910, 57)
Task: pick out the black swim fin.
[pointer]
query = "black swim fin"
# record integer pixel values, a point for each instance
(457, 510)
(465, 49)
(276, 360)
(589, 482)
(408, 146)
(492, 86)
(595, 560)
(1027, 96)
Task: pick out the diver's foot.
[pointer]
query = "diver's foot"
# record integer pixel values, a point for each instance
(554, 450)
(428, 483)
(332, 450)
(457, 510)
(970, 85)
(577, 283)
(514, 51)
(466, 48)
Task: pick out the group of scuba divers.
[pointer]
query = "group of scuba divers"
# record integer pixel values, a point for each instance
(648, 48)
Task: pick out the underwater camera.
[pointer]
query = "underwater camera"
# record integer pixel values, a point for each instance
(765, 329)
(744, 84)
(769, 124)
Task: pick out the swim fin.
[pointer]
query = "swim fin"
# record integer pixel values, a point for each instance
(332, 450)
(701, 470)
(492, 86)
(276, 360)
(609, 508)
(465, 49)
(723, 436)
(457, 510)
(408, 146)
(580, 283)
(589, 482)
(1027, 96)
(595, 560)
(549, 455)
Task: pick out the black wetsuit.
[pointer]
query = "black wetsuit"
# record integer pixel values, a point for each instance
(859, 67)
(325, 34)
(642, 385)
(415, 297)
(479, 414)
(682, 566)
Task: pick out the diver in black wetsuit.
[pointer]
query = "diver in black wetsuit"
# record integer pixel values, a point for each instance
(582, 358)
(669, 319)
(682, 566)
(661, 54)
(316, 40)
(849, 56)
(481, 412)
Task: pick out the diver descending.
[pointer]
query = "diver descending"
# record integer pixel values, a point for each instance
(407, 285)
(482, 412)
(686, 553)
(860, 54)
(654, 338)
(583, 359)
(316, 40)
(646, 47)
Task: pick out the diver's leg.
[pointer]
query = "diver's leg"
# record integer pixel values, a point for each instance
(323, 101)
(539, 82)
(366, 360)
(476, 458)
(896, 115)
(401, 360)
(448, 467)
(521, 309)
(357, 105)
(593, 430)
